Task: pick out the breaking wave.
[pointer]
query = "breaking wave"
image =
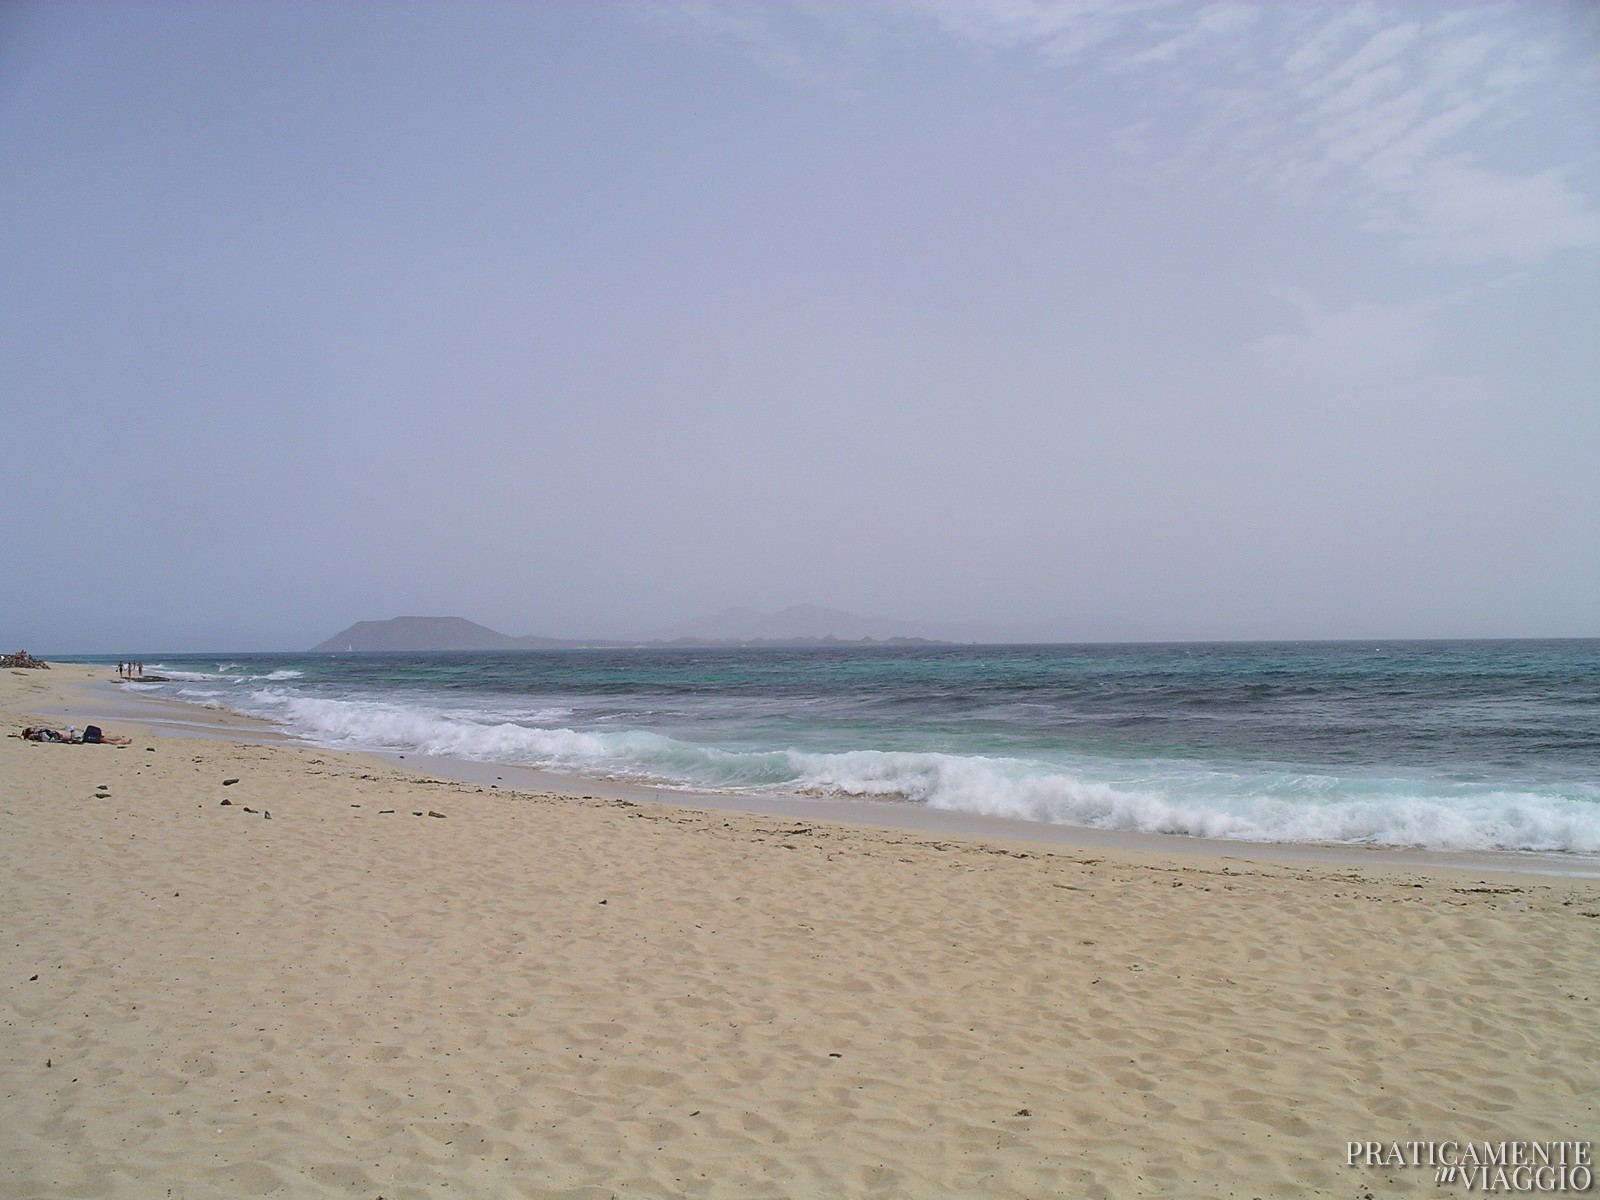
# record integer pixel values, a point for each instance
(1178, 797)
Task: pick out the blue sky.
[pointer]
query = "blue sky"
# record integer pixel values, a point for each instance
(1042, 320)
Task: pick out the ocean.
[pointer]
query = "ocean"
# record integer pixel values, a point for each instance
(1444, 745)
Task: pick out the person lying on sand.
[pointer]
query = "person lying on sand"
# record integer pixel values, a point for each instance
(92, 736)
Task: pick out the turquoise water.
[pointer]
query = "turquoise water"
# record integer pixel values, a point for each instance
(1439, 744)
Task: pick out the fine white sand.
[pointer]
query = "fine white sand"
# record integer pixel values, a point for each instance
(545, 995)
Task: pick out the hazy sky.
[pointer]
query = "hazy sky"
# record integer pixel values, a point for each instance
(1073, 320)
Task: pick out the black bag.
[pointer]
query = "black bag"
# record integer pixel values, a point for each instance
(92, 734)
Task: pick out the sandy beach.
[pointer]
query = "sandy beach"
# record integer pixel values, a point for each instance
(237, 967)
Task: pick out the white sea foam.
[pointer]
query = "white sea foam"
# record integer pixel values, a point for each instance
(190, 676)
(1454, 818)
(229, 673)
(204, 697)
(1162, 797)
(1290, 808)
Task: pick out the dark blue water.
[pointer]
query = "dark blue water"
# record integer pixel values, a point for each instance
(1458, 744)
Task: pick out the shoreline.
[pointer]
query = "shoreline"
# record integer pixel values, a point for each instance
(239, 965)
(162, 713)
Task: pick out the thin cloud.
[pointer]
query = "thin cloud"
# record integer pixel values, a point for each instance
(1450, 129)
(815, 46)
(1058, 31)
(1213, 21)
(1465, 211)
(1400, 114)
(1363, 341)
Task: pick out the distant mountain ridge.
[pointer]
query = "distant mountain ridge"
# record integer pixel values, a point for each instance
(429, 633)
(803, 624)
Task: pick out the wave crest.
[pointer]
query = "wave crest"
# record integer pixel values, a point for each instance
(1253, 804)
(1177, 799)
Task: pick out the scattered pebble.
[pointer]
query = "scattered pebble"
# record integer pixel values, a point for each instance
(226, 802)
(229, 782)
(431, 813)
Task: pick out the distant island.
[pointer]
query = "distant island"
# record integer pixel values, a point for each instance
(429, 633)
(426, 634)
